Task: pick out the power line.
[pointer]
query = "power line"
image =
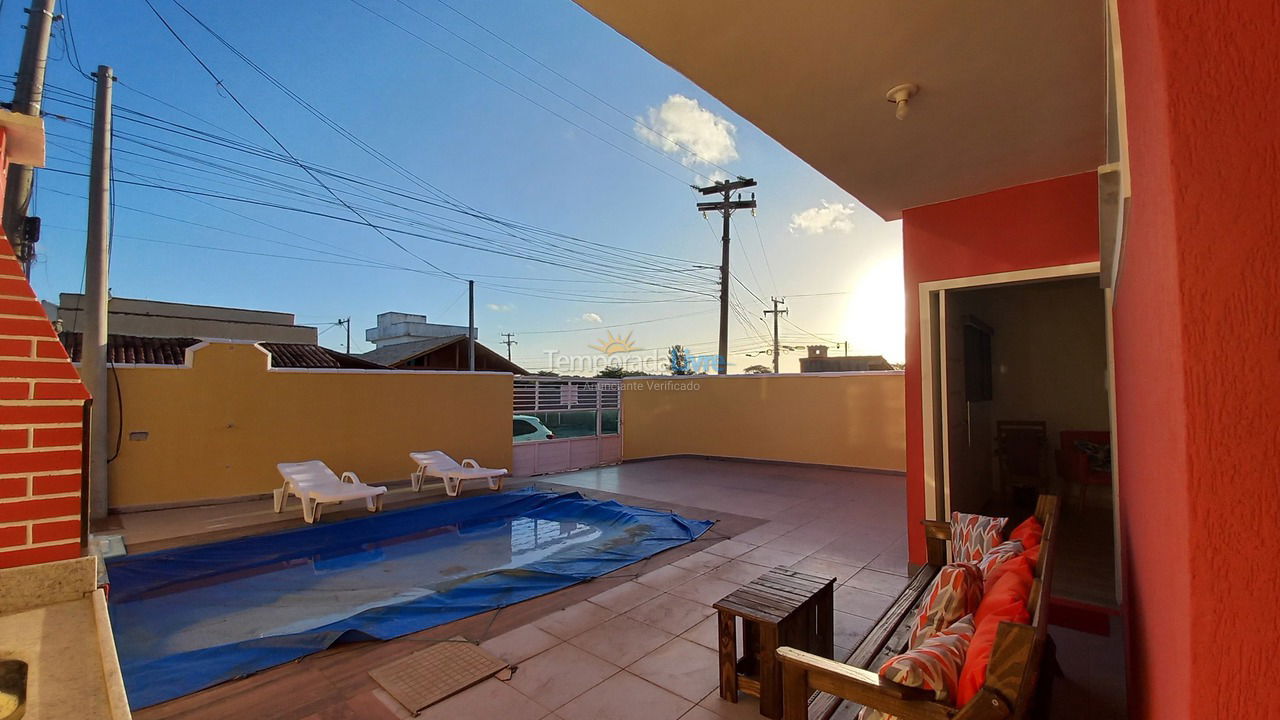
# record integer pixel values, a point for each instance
(270, 184)
(477, 70)
(223, 196)
(609, 327)
(69, 38)
(749, 290)
(453, 302)
(751, 269)
(585, 111)
(452, 207)
(544, 295)
(277, 141)
(560, 75)
(508, 226)
(806, 332)
(316, 112)
(175, 108)
(601, 271)
(773, 281)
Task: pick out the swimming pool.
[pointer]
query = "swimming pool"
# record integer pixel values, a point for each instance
(188, 618)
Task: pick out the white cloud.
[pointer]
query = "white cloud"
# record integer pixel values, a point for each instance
(831, 217)
(501, 308)
(683, 128)
(592, 318)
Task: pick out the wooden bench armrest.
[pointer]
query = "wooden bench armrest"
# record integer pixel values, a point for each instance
(937, 529)
(803, 672)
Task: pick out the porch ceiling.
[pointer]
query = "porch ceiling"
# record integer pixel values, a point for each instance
(1009, 92)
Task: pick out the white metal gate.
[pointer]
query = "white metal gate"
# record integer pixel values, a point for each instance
(578, 445)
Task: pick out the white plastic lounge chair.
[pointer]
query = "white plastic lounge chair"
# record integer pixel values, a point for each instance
(437, 464)
(315, 485)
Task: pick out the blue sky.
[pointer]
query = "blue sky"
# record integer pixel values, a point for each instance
(470, 136)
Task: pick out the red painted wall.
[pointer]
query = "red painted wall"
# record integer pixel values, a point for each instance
(1197, 325)
(1054, 222)
(41, 409)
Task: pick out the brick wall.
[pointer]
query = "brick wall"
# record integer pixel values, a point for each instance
(41, 410)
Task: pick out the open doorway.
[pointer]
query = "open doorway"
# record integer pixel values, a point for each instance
(1020, 405)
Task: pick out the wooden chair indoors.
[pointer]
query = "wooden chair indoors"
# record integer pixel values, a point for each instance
(1022, 447)
(1080, 468)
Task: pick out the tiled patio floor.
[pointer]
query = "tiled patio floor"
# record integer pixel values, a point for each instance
(646, 648)
(637, 644)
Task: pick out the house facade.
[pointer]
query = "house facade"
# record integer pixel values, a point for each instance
(1129, 142)
(153, 318)
(819, 361)
(440, 353)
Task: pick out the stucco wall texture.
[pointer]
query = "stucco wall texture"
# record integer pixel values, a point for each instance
(843, 420)
(1043, 224)
(218, 428)
(1197, 325)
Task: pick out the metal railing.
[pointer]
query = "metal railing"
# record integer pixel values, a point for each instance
(539, 394)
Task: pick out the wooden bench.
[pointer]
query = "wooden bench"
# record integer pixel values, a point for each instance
(1011, 675)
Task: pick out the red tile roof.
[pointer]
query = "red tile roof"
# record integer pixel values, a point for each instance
(298, 355)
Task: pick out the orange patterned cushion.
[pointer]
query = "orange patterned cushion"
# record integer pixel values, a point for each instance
(935, 665)
(1024, 564)
(997, 556)
(955, 593)
(973, 535)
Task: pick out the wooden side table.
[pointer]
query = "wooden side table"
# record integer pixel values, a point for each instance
(781, 607)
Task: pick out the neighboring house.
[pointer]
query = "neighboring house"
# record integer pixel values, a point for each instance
(396, 328)
(151, 318)
(819, 361)
(135, 350)
(444, 353)
(408, 342)
(1137, 167)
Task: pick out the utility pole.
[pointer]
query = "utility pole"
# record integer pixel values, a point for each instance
(28, 94)
(775, 312)
(471, 325)
(346, 322)
(509, 342)
(725, 207)
(93, 354)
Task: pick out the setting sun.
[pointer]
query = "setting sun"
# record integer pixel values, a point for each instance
(874, 318)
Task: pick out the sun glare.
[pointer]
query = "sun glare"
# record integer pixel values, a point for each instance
(874, 321)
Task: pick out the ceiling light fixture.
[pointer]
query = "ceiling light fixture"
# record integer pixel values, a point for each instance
(899, 95)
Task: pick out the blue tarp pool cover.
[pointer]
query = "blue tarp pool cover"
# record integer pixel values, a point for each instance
(191, 617)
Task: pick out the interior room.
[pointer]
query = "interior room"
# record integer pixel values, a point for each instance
(1027, 409)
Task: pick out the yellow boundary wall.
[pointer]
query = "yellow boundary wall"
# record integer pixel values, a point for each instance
(844, 419)
(216, 427)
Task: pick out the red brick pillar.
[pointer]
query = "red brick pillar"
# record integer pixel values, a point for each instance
(41, 439)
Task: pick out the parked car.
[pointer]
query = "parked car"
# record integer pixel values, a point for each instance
(527, 427)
